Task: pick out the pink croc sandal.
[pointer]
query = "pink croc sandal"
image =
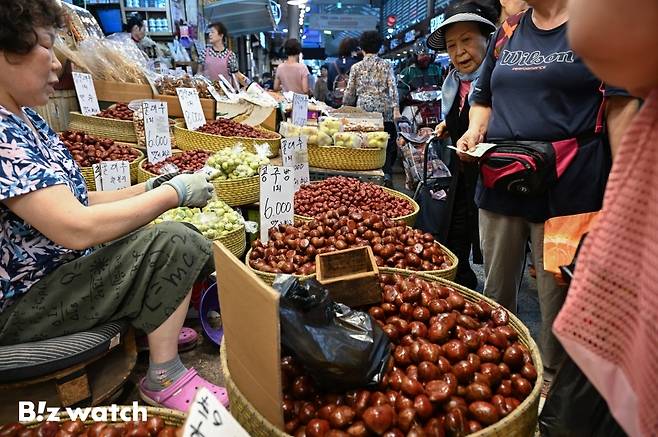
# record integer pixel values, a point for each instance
(180, 394)
(187, 340)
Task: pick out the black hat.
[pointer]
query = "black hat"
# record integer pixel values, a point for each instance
(468, 12)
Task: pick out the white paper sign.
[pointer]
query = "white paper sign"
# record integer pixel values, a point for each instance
(111, 175)
(214, 93)
(207, 417)
(480, 149)
(294, 152)
(156, 131)
(299, 109)
(191, 106)
(277, 189)
(84, 88)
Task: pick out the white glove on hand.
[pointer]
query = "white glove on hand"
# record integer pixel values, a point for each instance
(194, 190)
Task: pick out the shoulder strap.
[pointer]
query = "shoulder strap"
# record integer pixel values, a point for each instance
(600, 116)
(505, 32)
(338, 71)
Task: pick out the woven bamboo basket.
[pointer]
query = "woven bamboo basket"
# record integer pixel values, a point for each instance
(235, 241)
(170, 417)
(343, 158)
(117, 130)
(192, 140)
(410, 219)
(88, 172)
(521, 422)
(235, 192)
(268, 278)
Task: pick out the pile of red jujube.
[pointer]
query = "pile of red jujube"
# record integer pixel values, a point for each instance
(347, 195)
(230, 128)
(120, 111)
(88, 150)
(456, 368)
(191, 160)
(154, 427)
(292, 249)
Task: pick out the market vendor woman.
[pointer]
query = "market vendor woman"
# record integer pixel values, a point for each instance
(72, 259)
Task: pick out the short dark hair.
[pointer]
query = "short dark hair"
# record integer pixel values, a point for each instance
(292, 47)
(371, 41)
(267, 74)
(347, 46)
(220, 28)
(134, 20)
(20, 18)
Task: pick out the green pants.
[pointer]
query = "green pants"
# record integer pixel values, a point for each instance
(142, 277)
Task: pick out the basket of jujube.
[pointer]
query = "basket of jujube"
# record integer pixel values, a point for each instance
(460, 364)
(88, 150)
(115, 122)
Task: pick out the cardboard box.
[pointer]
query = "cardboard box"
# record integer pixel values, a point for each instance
(250, 317)
(175, 110)
(121, 92)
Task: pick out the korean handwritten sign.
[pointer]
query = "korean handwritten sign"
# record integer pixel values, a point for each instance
(299, 109)
(156, 131)
(276, 197)
(295, 154)
(208, 418)
(84, 88)
(191, 105)
(111, 175)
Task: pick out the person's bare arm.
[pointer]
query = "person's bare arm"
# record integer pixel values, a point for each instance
(619, 113)
(97, 197)
(277, 84)
(478, 122)
(305, 85)
(58, 214)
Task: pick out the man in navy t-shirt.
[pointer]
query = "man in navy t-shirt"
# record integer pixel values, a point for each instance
(538, 89)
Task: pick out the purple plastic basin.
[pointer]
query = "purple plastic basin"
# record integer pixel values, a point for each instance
(209, 302)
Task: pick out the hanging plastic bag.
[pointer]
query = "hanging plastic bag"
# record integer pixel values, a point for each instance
(341, 348)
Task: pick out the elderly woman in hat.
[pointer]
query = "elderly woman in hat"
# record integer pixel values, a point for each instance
(464, 34)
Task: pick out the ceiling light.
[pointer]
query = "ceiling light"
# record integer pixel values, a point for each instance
(327, 32)
(285, 30)
(297, 2)
(391, 30)
(303, 36)
(308, 9)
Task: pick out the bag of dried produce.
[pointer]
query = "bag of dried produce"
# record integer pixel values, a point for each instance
(350, 140)
(341, 348)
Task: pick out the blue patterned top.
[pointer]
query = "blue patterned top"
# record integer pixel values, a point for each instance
(26, 165)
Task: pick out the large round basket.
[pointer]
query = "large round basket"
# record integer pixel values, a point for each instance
(450, 273)
(410, 219)
(192, 140)
(521, 422)
(268, 278)
(235, 192)
(235, 241)
(117, 130)
(170, 417)
(88, 172)
(343, 158)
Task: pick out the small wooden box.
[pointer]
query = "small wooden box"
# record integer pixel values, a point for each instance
(350, 275)
(107, 91)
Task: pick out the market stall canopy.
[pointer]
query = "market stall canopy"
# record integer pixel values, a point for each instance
(243, 17)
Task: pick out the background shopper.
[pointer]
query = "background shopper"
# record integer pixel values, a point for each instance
(320, 91)
(339, 70)
(292, 75)
(219, 60)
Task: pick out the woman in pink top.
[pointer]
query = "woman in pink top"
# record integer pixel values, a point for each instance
(292, 75)
(219, 60)
(608, 323)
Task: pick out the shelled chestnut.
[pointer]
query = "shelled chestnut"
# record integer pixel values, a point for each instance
(154, 427)
(292, 249)
(88, 150)
(191, 160)
(457, 367)
(348, 195)
(230, 128)
(120, 111)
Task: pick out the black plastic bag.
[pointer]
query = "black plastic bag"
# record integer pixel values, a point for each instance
(341, 348)
(574, 408)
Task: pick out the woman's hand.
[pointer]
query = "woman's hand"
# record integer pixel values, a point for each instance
(467, 143)
(441, 130)
(194, 190)
(156, 181)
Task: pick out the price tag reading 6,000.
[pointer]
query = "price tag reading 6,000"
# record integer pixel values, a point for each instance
(191, 106)
(156, 131)
(277, 189)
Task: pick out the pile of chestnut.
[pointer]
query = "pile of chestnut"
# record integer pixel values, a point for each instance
(292, 249)
(347, 195)
(120, 111)
(153, 427)
(191, 160)
(456, 368)
(230, 128)
(88, 150)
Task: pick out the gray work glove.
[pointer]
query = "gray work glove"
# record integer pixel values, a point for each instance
(156, 181)
(194, 190)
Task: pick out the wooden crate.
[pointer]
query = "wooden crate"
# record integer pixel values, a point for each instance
(350, 275)
(121, 92)
(175, 110)
(56, 111)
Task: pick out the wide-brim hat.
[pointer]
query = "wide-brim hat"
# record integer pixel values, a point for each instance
(437, 39)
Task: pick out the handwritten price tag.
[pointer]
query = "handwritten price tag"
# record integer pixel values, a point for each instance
(156, 131)
(208, 418)
(277, 189)
(299, 109)
(111, 175)
(84, 88)
(191, 105)
(294, 152)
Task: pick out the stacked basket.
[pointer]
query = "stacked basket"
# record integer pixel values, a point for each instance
(88, 172)
(117, 130)
(343, 158)
(192, 140)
